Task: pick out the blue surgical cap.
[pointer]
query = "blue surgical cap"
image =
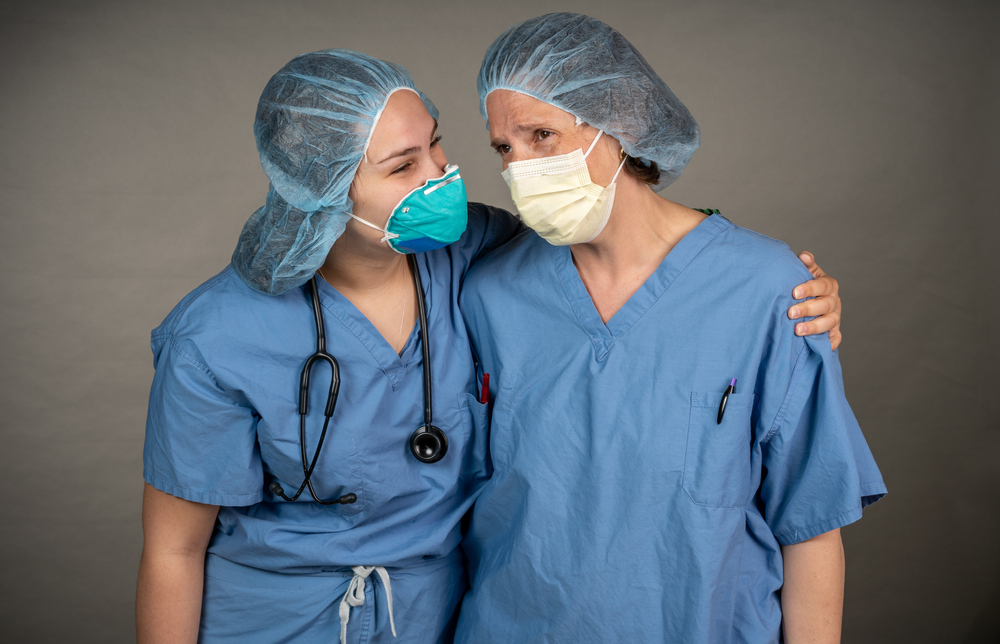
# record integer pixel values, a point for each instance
(586, 68)
(314, 121)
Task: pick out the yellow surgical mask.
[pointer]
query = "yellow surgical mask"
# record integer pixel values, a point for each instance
(557, 199)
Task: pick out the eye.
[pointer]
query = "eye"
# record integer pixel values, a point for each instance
(501, 149)
(402, 168)
(437, 139)
(543, 134)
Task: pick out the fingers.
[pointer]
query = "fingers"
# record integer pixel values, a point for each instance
(835, 337)
(826, 305)
(810, 262)
(813, 308)
(822, 324)
(823, 285)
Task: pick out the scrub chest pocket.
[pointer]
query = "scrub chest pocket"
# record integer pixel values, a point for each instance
(474, 414)
(717, 460)
(475, 425)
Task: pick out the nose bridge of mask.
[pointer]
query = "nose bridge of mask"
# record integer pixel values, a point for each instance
(572, 162)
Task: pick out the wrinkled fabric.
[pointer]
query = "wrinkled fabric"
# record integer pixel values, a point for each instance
(314, 121)
(223, 424)
(245, 605)
(619, 509)
(583, 66)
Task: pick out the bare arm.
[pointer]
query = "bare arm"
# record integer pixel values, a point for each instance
(172, 568)
(812, 597)
(826, 290)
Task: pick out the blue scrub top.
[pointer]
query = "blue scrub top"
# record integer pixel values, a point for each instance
(223, 419)
(618, 509)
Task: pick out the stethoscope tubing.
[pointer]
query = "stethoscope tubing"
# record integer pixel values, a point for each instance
(427, 435)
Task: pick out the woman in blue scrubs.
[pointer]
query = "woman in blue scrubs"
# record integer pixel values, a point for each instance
(343, 138)
(339, 133)
(626, 504)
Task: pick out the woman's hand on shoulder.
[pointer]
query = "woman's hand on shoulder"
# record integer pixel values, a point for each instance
(826, 303)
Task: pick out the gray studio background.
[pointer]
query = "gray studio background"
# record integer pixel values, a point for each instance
(863, 131)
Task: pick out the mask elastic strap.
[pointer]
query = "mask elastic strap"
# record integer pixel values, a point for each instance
(387, 236)
(620, 166)
(596, 139)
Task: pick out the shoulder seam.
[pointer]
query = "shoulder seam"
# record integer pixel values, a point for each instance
(180, 313)
(194, 362)
(796, 374)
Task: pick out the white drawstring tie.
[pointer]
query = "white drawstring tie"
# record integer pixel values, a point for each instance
(355, 596)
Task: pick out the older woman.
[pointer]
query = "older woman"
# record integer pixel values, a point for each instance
(669, 461)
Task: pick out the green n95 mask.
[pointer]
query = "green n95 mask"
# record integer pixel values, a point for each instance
(557, 199)
(429, 217)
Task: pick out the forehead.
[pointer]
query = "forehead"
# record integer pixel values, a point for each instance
(403, 118)
(507, 109)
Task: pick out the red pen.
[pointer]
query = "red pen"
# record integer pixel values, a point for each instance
(484, 393)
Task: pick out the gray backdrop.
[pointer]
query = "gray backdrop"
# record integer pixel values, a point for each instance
(864, 131)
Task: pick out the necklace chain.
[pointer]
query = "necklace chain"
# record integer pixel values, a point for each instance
(402, 319)
(399, 335)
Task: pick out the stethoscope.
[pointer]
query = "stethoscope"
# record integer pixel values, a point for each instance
(428, 444)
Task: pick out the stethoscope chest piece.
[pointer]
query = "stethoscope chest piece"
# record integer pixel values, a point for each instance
(428, 444)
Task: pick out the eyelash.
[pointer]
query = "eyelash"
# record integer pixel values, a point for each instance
(538, 133)
(437, 139)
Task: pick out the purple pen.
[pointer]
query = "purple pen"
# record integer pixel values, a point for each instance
(725, 398)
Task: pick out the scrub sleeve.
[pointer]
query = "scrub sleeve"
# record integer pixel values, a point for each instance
(216, 459)
(819, 470)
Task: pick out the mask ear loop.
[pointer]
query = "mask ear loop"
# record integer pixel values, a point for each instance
(387, 235)
(620, 165)
(596, 139)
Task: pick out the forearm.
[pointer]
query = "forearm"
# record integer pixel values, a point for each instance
(168, 597)
(812, 597)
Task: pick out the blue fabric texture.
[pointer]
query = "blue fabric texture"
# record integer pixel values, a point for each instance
(618, 509)
(583, 66)
(223, 423)
(244, 605)
(314, 121)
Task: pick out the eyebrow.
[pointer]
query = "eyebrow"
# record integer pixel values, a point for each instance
(410, 150)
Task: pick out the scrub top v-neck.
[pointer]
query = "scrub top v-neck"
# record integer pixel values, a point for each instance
(603, 335)
(619, 509)
(223, 421)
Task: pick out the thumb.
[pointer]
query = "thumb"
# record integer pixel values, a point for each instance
(810, 262)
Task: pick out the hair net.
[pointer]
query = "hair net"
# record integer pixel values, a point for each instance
(582, 66)
(314, 121)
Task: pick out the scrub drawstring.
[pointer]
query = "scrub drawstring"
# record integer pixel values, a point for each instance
(355, 596)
